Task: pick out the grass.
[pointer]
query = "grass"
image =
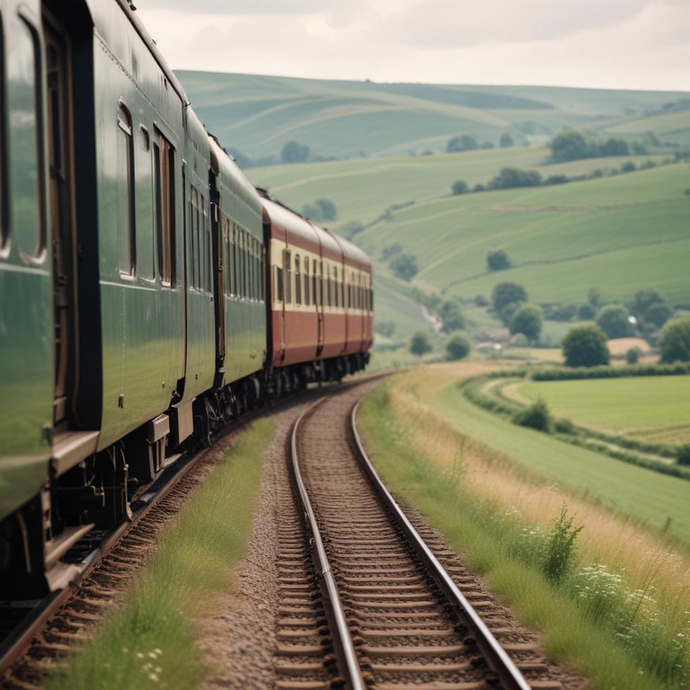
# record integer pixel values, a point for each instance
(150, 641)
(654, 409)
(512, 529)
(618, 234)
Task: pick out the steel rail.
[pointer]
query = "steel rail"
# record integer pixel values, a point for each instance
(496, 657)
(344, 646)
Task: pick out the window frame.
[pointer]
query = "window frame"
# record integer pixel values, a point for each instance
(127, 128)
(5, 245)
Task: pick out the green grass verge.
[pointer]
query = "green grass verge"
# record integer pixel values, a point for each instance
(150, 641)
(600, 635)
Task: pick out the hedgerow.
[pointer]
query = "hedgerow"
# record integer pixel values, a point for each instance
(606, 372)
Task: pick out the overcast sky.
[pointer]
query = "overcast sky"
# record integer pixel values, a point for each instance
(636, 44)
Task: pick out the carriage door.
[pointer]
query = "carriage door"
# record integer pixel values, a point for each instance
(57, 45)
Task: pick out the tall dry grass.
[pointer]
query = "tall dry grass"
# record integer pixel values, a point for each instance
(650, 563)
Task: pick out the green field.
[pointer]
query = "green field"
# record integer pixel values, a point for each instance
(619, 234)
(259, 114)
(647, 495)
(654, 409)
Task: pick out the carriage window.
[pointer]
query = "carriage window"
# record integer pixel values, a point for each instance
(233, 247)
(228, 255)
(307, 280)
(125, 191)
(298, 282)
(336, 287)
(315, 285)
(262, 281)
(22, 71)
(288, 276)
(280, 293)
(164, 159)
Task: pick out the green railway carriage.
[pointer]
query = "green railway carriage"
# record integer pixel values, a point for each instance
(134, 292)
(127, 234)
(240, 285)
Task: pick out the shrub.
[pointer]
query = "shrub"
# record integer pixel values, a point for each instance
(294, 152)
(459, 187)
(506, 141)
(512, 178)
(420, 343)
(556, 179)
(536, 416)
(458, 346)
(594, 296)
(674, 341)
(508, 311)
(389, 250)
(478, 188)
(613, 320)
(606, 372)
(683, 455)
(628, 166)
(585, 346)
(632, 356)
(527, 320)
(585, 312)
(498, 260)
(481, 301)
(507, 293)
(560, 550)
(404, 266)
(452, 317)
(385, 328)
(321, 210)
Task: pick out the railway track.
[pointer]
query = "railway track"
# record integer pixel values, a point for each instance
(401, 610)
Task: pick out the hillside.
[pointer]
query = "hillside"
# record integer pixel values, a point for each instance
(257, 114)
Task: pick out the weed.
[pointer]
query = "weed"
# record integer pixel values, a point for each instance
(560, 550)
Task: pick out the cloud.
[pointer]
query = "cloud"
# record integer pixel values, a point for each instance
(450, 24)
(242, 7)
(633, 44)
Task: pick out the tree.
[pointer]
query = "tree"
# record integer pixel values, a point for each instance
(497, 260)
(322, 210)
(506, 141)
(458, 346)
(460, 187)
(658, 314)
(488, 145)
(632, 356)
(556, 179)
(464, 143)
(404, 266)
(507, 313)
(628, 166)
(594, 297)
(527, 320)
(452, 317)
(586, 312)
(420, 343)
(511, 178)
(674, 341)
(644, 299)
(613, 320)
(568, 146)
(585, 346)
(506, 293)
(389, 250)
(294, 152)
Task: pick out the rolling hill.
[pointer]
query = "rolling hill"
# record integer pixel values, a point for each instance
(258, 114)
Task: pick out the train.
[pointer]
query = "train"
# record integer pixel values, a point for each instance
(149, 293)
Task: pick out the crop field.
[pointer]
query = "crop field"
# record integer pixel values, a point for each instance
(654, 409)
(259, 114)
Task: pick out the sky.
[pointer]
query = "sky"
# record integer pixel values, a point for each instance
(627, 44)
